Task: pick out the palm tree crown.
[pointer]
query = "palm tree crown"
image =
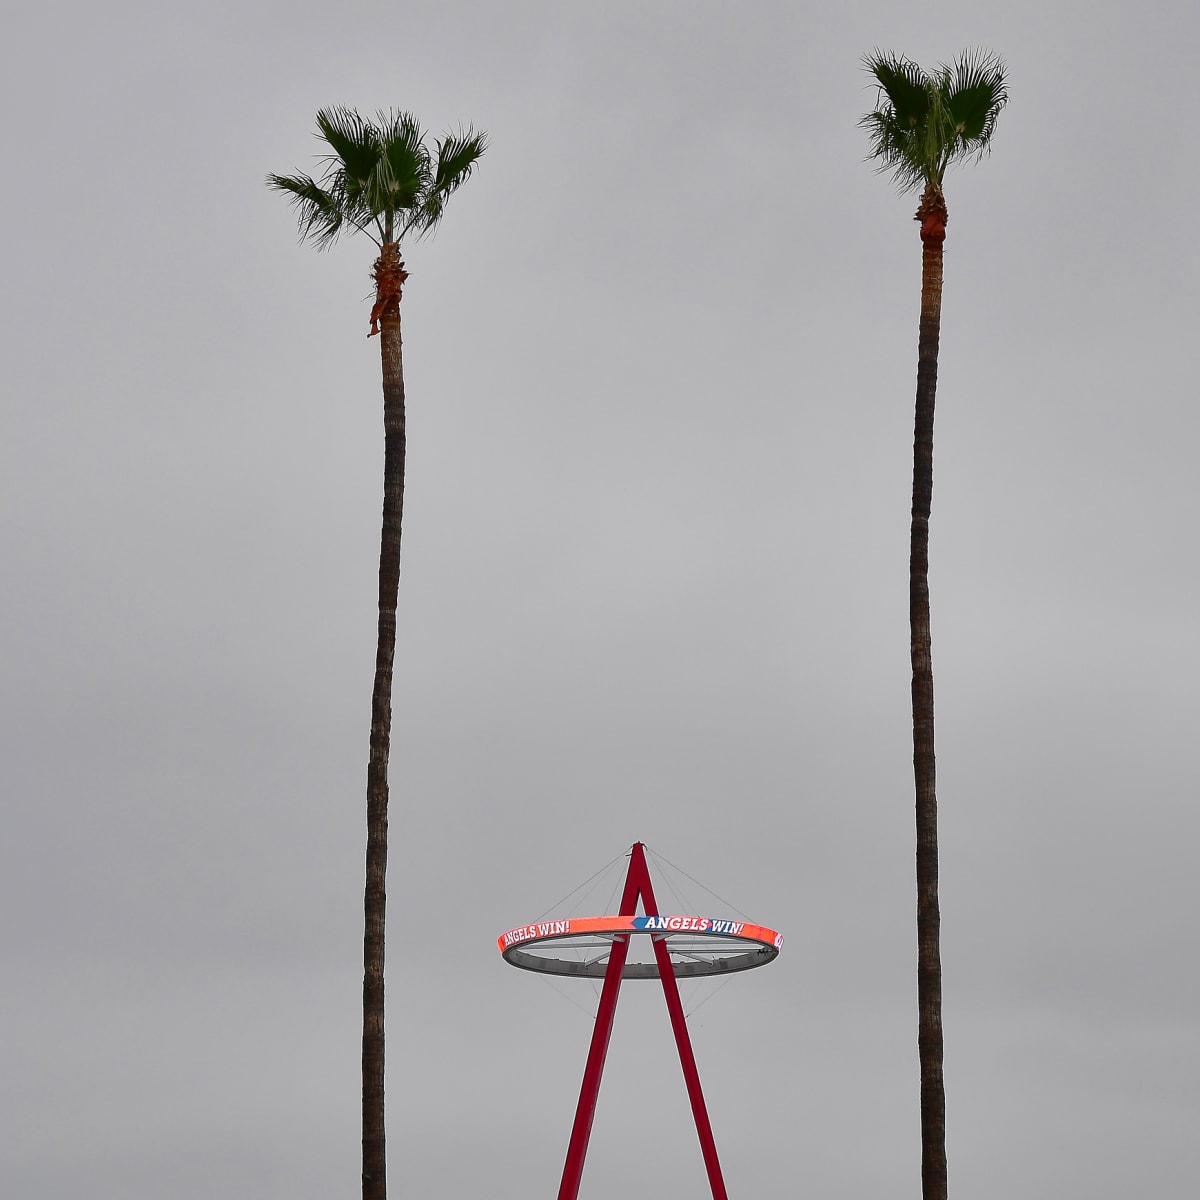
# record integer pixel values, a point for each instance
(923, 123)
(380, 177)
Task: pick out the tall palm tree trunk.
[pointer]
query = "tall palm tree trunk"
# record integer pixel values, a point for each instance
(932, 215)
(389, 276)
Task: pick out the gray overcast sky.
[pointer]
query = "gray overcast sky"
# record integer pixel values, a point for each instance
(660, 364)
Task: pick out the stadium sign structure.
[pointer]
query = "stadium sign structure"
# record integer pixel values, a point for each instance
(598, 948)
(697, 946)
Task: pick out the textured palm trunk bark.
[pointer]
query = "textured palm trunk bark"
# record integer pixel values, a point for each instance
(389, 275)
(932, 215)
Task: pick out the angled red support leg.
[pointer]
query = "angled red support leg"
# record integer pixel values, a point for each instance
(684, 1045)
(581, 1131)
(637, 883)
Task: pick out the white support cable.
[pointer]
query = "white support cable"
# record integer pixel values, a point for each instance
(727, 979)
(607, 866)
(569, 999)
(685, 905)
(689, 988)
(612, 896)
(659, 858)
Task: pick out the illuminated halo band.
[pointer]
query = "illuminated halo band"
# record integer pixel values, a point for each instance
(698, 946)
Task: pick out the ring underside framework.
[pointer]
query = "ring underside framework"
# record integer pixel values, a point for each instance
(581, 947)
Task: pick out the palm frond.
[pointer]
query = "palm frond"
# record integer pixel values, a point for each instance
(904, 84)
(395, 125)
(405, 173)
(898, 127)
(320, 212)
(355, 144)
(976, 93)
(457, 154)
(892, 150)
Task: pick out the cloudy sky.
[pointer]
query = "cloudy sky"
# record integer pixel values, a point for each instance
(660, 364)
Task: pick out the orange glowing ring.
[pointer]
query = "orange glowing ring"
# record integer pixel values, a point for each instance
(698, 946)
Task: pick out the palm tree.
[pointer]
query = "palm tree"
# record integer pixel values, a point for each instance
(381, 179)
(922, 124)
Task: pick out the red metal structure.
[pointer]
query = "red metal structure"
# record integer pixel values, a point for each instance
(637, 883)
(709, 947)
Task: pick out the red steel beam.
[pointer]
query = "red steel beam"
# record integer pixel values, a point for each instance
(637, 883)
(683, 1043)
(581, 1131)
